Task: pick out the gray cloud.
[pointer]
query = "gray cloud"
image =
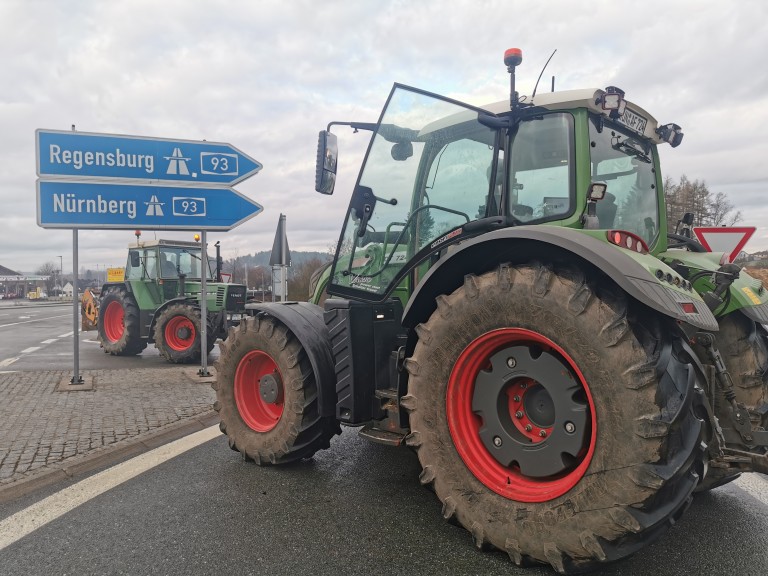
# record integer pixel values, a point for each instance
(267, 75)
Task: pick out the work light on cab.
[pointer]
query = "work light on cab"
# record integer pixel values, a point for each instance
(612, 101)
(671, 134)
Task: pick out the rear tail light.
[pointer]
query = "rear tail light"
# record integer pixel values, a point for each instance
(627, 240)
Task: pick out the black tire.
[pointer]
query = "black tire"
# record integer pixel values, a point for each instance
(266, 394)
(743, 345)
(178, 333)
(119, 325)
(636, 459)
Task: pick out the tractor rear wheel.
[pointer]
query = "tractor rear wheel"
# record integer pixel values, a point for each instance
(266, 394)
(177, 334)
(119, 325)
(552, 423)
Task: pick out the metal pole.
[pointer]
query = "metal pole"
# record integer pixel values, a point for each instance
(204, 307)
(76, 378)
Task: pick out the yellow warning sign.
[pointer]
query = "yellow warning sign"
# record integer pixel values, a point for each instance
(115, 274)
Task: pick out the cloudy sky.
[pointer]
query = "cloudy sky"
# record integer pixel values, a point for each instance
(266, 76)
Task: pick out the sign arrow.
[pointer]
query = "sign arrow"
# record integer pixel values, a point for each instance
(84, 155)
(97, 205)
(728, 239)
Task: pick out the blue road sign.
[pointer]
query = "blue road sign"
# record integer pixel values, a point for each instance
(96, 205)
(84, 155)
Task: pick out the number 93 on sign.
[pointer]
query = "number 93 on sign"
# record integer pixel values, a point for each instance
(185, 206)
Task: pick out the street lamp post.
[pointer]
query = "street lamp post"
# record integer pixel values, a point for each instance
(61, 273)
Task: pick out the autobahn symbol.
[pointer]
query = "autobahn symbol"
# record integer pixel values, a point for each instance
(177, 164)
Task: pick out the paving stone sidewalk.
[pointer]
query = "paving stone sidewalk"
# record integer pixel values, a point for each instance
(47, 424)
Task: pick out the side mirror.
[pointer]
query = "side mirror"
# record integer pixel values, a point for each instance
(327, 157)
(135, 260)
(402, 151)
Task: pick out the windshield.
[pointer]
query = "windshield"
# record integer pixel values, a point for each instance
(174, 260)
(625, 163)
(426, 174)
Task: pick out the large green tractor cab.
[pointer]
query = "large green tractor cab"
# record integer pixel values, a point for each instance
(160, 301)
(507, 301)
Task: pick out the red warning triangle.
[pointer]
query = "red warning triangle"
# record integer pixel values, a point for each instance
(728, 239)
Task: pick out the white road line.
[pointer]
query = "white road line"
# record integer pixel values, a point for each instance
(8, 361)
(49, 341)
(755, 485)
(36, 320)
(41, 513)
(30, 349)
(65, 335)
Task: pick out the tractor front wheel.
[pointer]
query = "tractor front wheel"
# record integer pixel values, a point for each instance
(118, 324)
(266, 394)
(553, 423)
(177, 334)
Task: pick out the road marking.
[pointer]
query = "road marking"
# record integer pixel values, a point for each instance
(31, 349)
(754, 485)
(65, 335)
(36, 320)
(8, 361)
(24, 317)
(49, 341)
(41, 513)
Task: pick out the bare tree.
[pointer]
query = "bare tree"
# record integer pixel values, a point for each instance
(694, 196)
(298, 283)
(50, 270)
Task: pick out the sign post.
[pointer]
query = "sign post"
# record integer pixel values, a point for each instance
(112, 181)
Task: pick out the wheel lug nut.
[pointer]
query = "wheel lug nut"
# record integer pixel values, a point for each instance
(569, 427)
(518, 414)
(511, 362)
(516, 398)
(523, 385)
(528, 427)
(543, 433)
(496, 441)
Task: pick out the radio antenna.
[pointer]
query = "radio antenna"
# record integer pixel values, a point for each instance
(542, 72)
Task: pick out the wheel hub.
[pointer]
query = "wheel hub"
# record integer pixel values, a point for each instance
(183, 333)
(526, 408)
(270, 387)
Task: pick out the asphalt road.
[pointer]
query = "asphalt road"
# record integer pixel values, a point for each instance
(357, 508)
(40, 338)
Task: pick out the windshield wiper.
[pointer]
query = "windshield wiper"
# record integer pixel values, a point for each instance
(627, 148)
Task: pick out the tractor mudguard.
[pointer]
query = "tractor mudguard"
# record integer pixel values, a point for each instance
(634, 273)
(747, 294)
(305, 321)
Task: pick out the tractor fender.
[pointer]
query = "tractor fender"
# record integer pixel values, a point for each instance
(553, 244)
(305, 321)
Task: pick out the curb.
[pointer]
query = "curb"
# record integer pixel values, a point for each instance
(106, 456)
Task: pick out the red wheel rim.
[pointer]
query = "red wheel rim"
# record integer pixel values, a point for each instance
(114, 317)
(179, 333)
(259, 414)
(465, 425)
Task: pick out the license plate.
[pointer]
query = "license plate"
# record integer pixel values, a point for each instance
(633, 121)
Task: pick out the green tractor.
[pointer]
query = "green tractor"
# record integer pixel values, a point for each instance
(507, 301)
(159, 301)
